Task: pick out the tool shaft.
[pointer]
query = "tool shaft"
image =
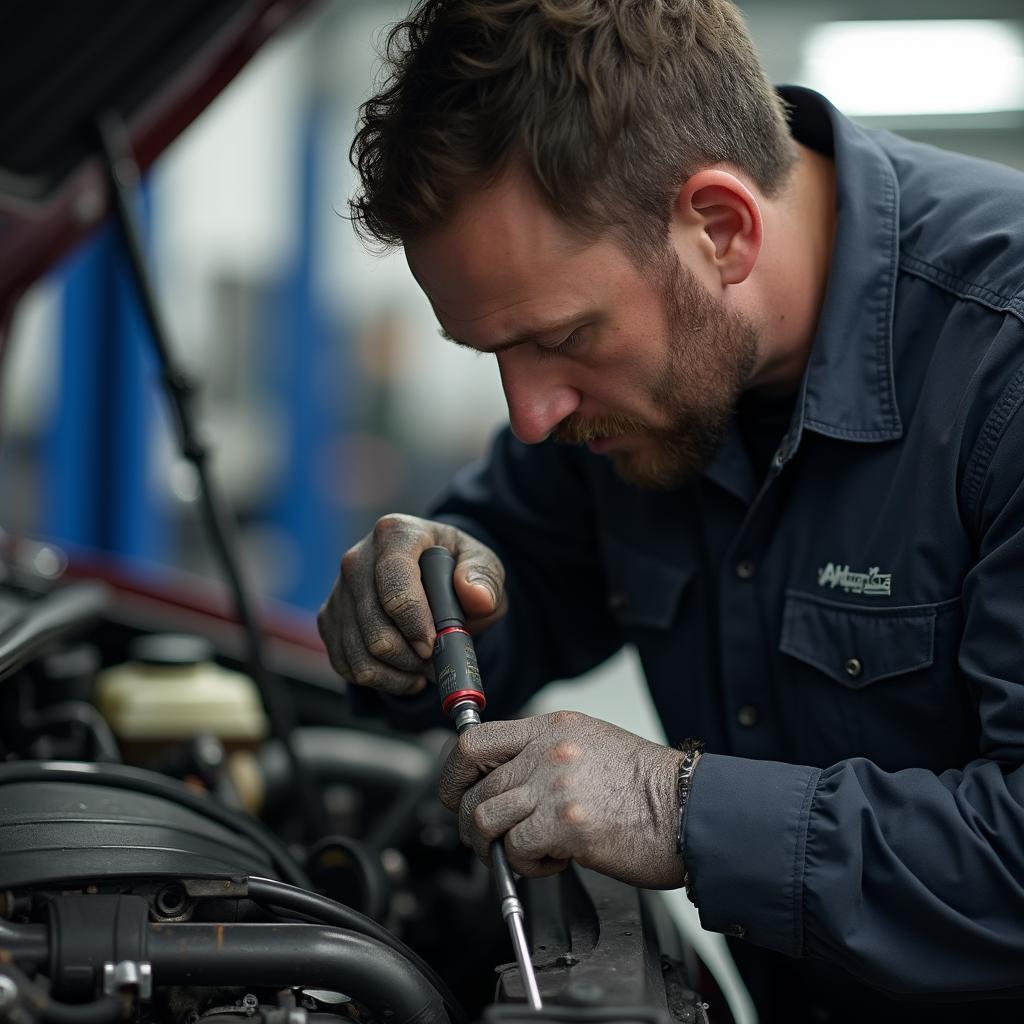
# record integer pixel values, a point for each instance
(515, 927)
(512, 911)
(462, 697)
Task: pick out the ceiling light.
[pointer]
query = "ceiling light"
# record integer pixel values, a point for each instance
(878, 68)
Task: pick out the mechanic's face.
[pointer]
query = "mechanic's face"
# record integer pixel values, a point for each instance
(643, 365)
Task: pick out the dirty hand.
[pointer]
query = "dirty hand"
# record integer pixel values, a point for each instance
(376, 623)
(567, 787)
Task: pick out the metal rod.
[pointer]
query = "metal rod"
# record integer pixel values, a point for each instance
(511, 907)
(122, 174)
(515, 926)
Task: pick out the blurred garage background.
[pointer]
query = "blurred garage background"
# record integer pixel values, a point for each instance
(326, 392)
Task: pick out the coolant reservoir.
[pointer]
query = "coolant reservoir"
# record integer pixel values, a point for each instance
(172, 690)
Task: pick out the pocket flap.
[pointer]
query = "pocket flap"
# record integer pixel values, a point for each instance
(857, 646)
(643, 590)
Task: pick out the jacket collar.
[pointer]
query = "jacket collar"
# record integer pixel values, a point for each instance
(848, 390)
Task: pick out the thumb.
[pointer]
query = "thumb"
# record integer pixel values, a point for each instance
(479, 580)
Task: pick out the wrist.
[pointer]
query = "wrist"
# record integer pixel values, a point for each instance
(691, 750)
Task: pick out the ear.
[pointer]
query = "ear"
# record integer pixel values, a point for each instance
(723, 218)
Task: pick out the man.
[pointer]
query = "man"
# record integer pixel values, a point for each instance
(763, 371)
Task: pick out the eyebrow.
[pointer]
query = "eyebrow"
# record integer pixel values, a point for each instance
(524, 336)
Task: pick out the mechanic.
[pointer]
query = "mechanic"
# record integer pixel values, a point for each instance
(763, 370)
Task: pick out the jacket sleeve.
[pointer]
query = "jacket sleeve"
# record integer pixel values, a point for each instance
(533, 505)
(910, 880)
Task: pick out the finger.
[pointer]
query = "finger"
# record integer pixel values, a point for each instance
(381, 639)
(400, 541)
(506, 776)
(365, 670)
(480, 751)
(327, 623)
(479, 582)
(494, 817)
(530, 851)
(539, 868)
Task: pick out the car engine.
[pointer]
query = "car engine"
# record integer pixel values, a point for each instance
(173, 878)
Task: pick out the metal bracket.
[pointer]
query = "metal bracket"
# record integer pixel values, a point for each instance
(8, 992)
(231, 887)
(131, 974)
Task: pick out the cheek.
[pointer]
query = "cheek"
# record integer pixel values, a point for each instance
(623, 370)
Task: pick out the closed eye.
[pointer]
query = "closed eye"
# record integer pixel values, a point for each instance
(567, 343)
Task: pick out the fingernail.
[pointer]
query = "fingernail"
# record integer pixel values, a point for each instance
(419, 686)
(480, 581)
(423, 649)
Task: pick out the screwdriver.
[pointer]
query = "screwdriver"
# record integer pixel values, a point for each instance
(462, 698)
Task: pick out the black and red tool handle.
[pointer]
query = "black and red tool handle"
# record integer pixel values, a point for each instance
(455, 666)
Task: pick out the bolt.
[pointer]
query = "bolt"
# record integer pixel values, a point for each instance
(394, 864)
(8, 990)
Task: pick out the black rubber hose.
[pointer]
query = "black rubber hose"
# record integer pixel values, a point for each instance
(283, 955)
(138, 780)
(27, 944)
(61, 610)
(273, 894)
(77, 712)
(42, 1007)
(102, 1011)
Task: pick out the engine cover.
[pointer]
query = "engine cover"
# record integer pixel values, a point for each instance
(69, 831)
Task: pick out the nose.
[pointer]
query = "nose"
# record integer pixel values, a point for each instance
(537, 395)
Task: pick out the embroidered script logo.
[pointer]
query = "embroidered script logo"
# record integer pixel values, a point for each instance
(871, 583)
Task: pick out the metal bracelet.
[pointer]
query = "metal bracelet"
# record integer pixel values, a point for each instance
(692, 749)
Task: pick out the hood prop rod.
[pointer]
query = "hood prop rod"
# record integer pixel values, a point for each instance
(221, 526)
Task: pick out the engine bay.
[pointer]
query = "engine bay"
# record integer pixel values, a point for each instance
(156, 868)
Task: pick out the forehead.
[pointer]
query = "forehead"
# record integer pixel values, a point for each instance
(504, 257)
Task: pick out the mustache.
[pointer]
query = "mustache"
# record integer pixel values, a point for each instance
(576, 429)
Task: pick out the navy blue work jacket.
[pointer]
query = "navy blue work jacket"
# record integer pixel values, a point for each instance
(846, 633)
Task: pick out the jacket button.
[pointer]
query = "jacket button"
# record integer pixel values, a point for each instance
(854, 668)
(737, 931)
(747, 716)
(617, 599)
(745, 569)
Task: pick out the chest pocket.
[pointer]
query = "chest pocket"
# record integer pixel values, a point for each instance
(643, 590)
(858, 646)
(899, 701)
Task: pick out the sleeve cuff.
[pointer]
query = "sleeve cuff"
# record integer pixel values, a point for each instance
(744, 843)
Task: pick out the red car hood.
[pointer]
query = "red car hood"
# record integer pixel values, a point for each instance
(156, 65)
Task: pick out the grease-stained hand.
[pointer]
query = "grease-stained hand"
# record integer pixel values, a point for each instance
(564, 787)
(376, 623)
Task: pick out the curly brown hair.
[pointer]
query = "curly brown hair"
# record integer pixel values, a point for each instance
(609, 104)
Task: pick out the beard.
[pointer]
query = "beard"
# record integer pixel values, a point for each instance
(711, 356)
